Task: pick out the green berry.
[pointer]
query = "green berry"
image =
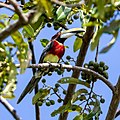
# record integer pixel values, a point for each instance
(100, 69)
(68, 57)
(70, 22)
(52, 102)
(56, 27)
(57, 85)
(96, 65)
(86, 65)
(64, 92)
(48, 103)
(102, 64)
(82, 97)
(83, 74)
(105, 74)
(59, 72)
(102, 100)
(50, 73)
(43, 80)
(83, 77)
(39, 103)
(91, 63)
(73, 108)
(59, 100)
(56, 69)
(66, 62)
(68, 70)
(40, 90)
(105, 67)
(88, 81)
(49, 25)
(55, 89)
(76, 17)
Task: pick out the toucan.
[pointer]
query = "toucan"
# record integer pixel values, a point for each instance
(52, 53)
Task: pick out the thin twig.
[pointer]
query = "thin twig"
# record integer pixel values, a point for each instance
(9, 108)
(74, 68)
(15, 26)
(2, 4)
(89, 97)
(97, 51)
(18, 11)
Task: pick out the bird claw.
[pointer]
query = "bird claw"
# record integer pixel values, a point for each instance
(60, 66)
(50, 65)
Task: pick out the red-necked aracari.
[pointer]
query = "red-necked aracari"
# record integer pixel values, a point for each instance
(52, 53)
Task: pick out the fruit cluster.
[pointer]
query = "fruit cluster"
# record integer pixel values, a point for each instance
(100, 67)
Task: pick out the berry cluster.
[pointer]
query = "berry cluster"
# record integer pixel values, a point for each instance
(100, 67)
(54, 91)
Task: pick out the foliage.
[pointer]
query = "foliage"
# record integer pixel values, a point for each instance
(50, 14)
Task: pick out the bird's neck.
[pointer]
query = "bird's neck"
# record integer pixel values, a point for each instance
(58, 49)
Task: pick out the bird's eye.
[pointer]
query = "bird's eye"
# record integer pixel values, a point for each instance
(56, 36)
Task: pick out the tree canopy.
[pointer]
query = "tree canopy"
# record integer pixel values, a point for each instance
(20, 25)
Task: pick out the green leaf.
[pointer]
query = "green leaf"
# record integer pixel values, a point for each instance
(43, 7)
(9, 44)
(28, 5)
(95, 112)
(62, 12)
(10, 79)
(22, 53)
(114, 25)
(61, 109)
(75, 108)
(28, 31)
(77, 44)
(72, 80)
(2, 25)
(17, 37)
(42, 93)
(96, 38)
(47, 6)
(100, 6)
(77, 93)
(44, 42)
(3, 16)
(15, 17)
(38, 25)
(110, 44)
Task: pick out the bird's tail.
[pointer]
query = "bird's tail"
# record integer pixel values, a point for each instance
(31, 85)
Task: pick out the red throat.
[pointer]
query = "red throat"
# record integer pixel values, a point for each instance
(58, 49)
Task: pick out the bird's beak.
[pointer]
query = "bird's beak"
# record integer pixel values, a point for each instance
(71, 32)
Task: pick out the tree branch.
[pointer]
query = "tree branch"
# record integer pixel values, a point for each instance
(9, 108)
(74, 68)
(22, 17)
(2, 4)
(80, 59)
(114, 102)
(15, 26)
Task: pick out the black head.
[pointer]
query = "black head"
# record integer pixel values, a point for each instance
(61, 36)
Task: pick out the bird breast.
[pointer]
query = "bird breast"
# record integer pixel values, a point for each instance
(58, 49)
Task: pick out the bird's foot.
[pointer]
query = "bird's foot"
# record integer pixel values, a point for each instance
(50, 65)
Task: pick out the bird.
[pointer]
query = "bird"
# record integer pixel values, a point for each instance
(52, 53)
